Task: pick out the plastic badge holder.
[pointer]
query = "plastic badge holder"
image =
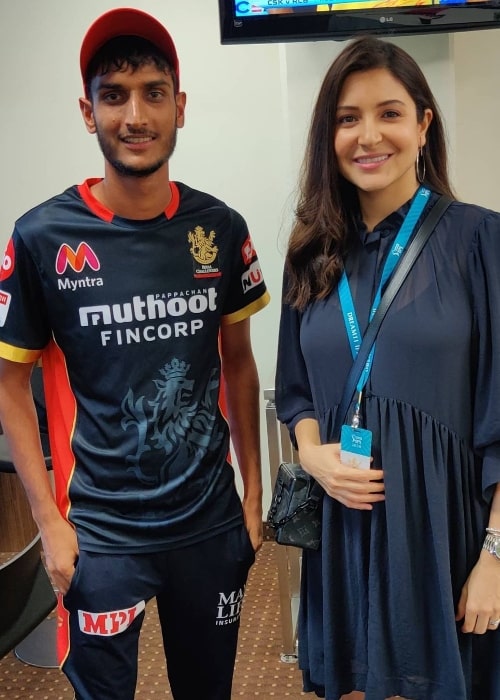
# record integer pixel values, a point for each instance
(355, 447)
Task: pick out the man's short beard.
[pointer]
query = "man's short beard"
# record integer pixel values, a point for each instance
(130, 170)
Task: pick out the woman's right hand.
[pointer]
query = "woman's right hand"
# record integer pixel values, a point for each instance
(353, 487)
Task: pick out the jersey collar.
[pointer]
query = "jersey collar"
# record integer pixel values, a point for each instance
(106, 214)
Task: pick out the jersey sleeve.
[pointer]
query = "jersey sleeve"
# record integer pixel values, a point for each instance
(24, 329)
(485, 282)
(293, 394)
(247, 290)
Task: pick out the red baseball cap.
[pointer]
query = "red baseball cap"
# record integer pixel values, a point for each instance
(126, 21)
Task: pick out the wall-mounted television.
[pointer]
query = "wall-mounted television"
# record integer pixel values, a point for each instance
(259, 21)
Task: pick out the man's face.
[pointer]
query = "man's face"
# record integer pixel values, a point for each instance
(135, 115)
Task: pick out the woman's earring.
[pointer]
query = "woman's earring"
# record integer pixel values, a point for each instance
(420, 165)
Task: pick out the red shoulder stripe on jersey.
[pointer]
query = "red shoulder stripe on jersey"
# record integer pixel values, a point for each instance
(171, 210)
(93, 204)
(61, 415)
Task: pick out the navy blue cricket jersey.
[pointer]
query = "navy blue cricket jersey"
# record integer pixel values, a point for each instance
(125, 316)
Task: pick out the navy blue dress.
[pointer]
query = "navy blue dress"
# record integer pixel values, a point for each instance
(378, 600)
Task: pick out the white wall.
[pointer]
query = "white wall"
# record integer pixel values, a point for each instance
(247, 117)
(476, 57)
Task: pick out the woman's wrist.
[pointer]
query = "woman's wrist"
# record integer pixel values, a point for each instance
(492, 542)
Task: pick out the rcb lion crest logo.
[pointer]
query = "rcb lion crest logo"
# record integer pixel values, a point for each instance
(172, 427)
(204, 252)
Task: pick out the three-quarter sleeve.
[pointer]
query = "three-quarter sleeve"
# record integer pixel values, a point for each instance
(292, 389)
(484, 269)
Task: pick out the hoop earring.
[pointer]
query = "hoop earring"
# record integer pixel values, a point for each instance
(420, 165)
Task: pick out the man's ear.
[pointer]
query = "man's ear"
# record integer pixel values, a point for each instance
(87, 114)
(180, 101)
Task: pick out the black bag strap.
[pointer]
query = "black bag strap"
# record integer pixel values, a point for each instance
(399, 275)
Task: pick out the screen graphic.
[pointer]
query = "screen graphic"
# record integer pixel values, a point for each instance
(245, 8)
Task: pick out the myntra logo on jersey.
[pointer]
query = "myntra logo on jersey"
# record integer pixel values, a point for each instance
(108, 624)
(84, 255)
(182, 309)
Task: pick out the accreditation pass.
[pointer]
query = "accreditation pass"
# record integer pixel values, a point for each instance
(355, 447)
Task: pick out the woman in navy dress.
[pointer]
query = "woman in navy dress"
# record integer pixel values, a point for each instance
(403, 598)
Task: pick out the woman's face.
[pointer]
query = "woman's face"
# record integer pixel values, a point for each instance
(377, 135)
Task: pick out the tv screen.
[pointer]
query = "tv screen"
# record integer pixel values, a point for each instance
(255, 21)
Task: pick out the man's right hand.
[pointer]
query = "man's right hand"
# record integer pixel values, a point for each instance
(61, 552)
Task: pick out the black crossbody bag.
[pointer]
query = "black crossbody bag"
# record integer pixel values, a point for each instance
(295, 511)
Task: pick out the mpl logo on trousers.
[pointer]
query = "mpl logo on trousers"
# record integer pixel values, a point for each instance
(108, 624)
(84, 255)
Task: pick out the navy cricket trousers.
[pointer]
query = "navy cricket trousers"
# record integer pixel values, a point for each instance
(199, 591)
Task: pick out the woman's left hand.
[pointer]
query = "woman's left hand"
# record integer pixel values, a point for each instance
(479, 604)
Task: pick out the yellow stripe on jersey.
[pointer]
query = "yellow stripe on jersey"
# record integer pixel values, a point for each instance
(15, 354)
(247, 311)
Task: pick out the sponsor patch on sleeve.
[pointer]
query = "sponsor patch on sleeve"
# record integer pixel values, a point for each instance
(8, 262)
(248, 252)
(252, 277)
(5, 298)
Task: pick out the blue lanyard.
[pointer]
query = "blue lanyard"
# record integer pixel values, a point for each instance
(346, 302)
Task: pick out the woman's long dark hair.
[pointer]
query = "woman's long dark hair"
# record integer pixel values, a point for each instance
(327, 202)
